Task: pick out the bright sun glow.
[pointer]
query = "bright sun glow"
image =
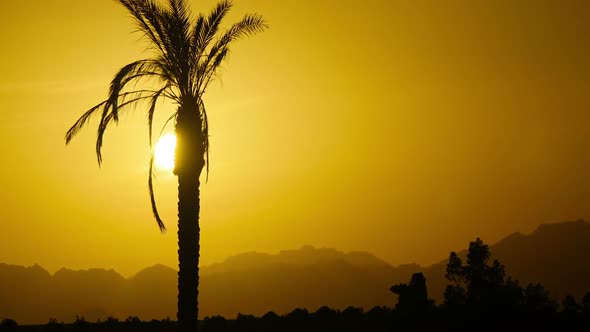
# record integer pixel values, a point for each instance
(165, 151)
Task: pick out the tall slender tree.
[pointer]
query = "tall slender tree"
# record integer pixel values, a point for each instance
(186, 54)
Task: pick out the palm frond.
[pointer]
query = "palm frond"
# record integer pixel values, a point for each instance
(172, 117)
(126, 74)
(81, 122)
(106, 119)
(180, 9)
(209, 69)
(75, 129)
(152, 110)
(249, 25)
(178, 32)
(205, 134)
(153, 197)
(138, 10)
(211, 25)
(195, 47)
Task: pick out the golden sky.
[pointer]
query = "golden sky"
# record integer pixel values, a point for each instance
(402, 128)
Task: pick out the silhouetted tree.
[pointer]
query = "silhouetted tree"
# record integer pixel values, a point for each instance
(325, 313)
(214, 324)
(270, 315)
(81, 324)
(324, 318)
(8, 324)
(353, 318)
(132, 320)
(297, 319)
(53, 325)
(379, 319)
(454, 296)
(413, 297)
(245, 323)
(569, 305)
(111, 321)
(537, 299)
(186, 57)
(298, 314)
(586, 302)
(479, 284)
(271, 321)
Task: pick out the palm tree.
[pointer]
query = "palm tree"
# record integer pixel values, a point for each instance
(187, 53)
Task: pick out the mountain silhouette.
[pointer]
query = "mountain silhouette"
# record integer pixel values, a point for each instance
(255, 283)
(554, 255)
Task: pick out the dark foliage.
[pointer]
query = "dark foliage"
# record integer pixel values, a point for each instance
(8, 324)
(586, 303)
(377, 319)
(480, 296)
(413, 297)
(481, 291)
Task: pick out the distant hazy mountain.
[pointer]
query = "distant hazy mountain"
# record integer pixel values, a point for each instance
(555, 255)
(308, 277)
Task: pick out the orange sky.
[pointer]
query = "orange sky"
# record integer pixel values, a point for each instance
(402, 128)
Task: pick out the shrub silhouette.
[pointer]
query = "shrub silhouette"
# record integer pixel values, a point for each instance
(353, 318)
(325, 313)
(133, 320)
(586, 303)
(413, 297)
(53, 325)
(8, 324)
(111, 321)
(569, 305)
(214, 323)
(537, 299)
(478, 284)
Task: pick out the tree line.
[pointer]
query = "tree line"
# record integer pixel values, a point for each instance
(479, 295)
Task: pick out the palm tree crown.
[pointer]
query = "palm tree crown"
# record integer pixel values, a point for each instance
(187, 54)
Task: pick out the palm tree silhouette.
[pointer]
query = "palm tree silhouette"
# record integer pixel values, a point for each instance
(187, 52)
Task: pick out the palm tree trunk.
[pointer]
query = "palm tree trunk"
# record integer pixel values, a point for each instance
(188, 166)
(188, 252)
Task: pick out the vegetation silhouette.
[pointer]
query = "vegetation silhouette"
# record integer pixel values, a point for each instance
(187, 53)
(480, 296)
(8, 324)
(378, 319)
(586, 303)
(482, 286)
(413, 297)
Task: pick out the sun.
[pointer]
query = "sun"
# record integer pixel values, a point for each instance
(165, 149)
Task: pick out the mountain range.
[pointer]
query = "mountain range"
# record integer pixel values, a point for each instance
(556, 255)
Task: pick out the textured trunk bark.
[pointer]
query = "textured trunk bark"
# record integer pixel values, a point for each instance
(188, 166)
(188, 252)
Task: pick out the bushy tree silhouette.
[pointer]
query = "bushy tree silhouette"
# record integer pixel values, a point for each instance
(586, 303)
(8, 324)
(353, 318)
(215, 323)
(538, 300)
(187, 53)
(412, 297)
(246, 323)
(478, 284)
(569, 305)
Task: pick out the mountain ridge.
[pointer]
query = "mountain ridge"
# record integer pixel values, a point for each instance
(256, 283)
